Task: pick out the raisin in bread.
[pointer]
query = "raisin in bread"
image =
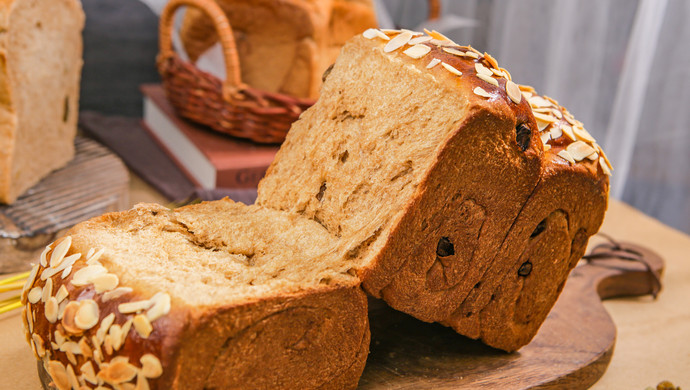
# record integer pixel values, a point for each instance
(215, 295)
(471, 197)
(282, 46)
(41, 60)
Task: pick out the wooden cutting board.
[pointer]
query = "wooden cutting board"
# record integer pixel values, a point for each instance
(571, 350)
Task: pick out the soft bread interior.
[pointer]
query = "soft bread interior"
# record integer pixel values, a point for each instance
(218, 252)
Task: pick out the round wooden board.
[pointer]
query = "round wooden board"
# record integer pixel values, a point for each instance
(571, 350)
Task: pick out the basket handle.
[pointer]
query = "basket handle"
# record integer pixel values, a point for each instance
(233, 79)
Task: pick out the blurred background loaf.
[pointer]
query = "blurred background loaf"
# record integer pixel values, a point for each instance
(40, 67)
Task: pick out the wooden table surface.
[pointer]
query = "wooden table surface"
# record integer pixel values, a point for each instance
(653, 335)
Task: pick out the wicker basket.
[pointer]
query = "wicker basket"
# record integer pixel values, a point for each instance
(228, 106)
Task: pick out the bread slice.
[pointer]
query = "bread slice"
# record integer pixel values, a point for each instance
(40, 67)
(419, 151)
(215, 295)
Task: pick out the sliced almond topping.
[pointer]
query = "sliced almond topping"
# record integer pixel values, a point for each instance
(583, 134)
(29, 320)
(70, 346)
(566, 156)
(593, 157)
(481, 92)
(88, 373)
(545, 137)
(557, 113)
(40, 348)
(399, 41)
(84, 276)
(526, 95)
(492, 61)
(35, 294)
(72, 377)
(118, 372)
(543, 121)
(606, 159)
(87, 315)
(90, 253)
(437, 35)
(105, 282)
(61, 294)
(116, 293)
(93, 259)
(433, 63)
(84, 348)
(60, 251)
(481, 69)
(66, 272)
(556, 132)
(49, 272)
(418, 40)
(125, 331)
(568, 131)
(498, 73)
(471, 54)
(59, 338)
(454, 52)
(513, 92)
(160, 308)
(538, 101)
(61, 308)
(133, 307)
(105, 326)
(580, 150)
(506, 73)
(547, 147)
(451, 69)
(151, 366)
(115, 335)
(68, 318)
(375, 33)
(142, 383)
(488, 79)
(604, 166)
(51, 310)
(97, 353)
(44, 257)
(58, 374)
(417, 51)
(142, 326)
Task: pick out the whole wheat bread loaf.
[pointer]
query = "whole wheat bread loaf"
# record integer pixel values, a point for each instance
(422, 173)
(40, 68)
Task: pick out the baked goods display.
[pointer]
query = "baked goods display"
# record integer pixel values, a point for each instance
(282, 46)
(422, 173)
(41, 56)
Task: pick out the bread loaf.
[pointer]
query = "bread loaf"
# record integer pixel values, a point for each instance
(283, 46)
(40, 67)
(445, 170)
(423, 174)
(216, 295)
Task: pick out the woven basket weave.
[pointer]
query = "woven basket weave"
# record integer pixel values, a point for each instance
(228, 106)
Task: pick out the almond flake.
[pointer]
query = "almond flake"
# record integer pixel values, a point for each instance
(66, 272)
(68, 314)
(513, 92)
(88, 373)
(604, 166)
(568, 131)
(557, 113)
(417, 51)
(545, 137)
(399, 41)
(544, 118)
(566, 156)
(451, 69)
(142, 383)
(492, 61)
(580, 150)
(437, 35)
(61, 294)
(606, 159)
(556, 132)
(44, 257)
(61, 308)
(125, 331)
(526, 95)
(433, 63)
(116, 293)
(583, 134)
(29, 320)
(151, 366)
(538, 101)
(84, 276)
(160, 308)
(133, 307)
(118, 372)
(471, 54)
(142, 325)
(115, 335)
(90, 253)
(481, 69)
(84, 348)
(49, 273)
(375, 33)
(58, 374)
(51, 310)
(87, 315)
(60, 251)
(547, 147)
(506, 73)
(105, 282)
(488, 79)
(70, 346)
(93, 259)
(593, 157)
(481, 92)
(103, 328)
(418, 40)
(453, 51)
(40, 348)
(35, 294)
(498, 73)
(72, 377)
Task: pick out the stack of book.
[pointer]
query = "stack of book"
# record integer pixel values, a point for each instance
(209, 159)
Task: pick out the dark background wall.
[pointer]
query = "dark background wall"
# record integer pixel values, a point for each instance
(120, 47)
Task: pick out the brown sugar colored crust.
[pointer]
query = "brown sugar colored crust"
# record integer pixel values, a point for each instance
(92, 324)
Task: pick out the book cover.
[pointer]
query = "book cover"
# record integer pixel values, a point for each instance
(208, 158)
